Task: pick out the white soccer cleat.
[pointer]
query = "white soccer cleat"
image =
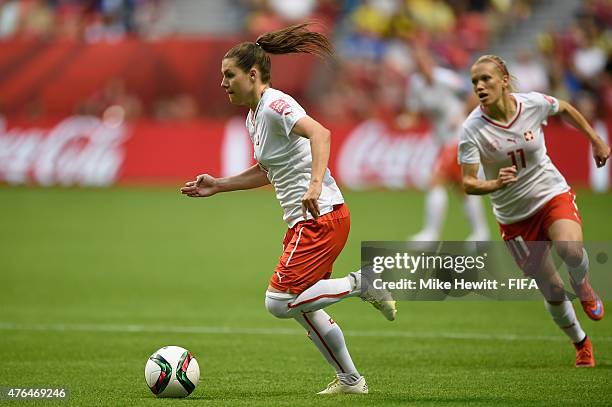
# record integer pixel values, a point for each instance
(478, 236)
(425, 235)
(380, 299)
(335, 387)
(386, 307)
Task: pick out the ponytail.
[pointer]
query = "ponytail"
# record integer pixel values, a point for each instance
(293, 39)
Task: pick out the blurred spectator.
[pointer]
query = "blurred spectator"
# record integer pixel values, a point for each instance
(292, 11)
(435, 16)
(69, 19)
(580, 55)
(94, 20)
(530, 72)
(261, 18)
(36, 18)
(589, 58)
(105, 27)
(9, 17)
(148, 16)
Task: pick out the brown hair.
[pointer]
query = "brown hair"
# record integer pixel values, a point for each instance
(292, 39)
(501, 66)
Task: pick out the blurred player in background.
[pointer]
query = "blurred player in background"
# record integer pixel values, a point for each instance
(292, 152)
(591, 105)
(531, 200)
(437, 93)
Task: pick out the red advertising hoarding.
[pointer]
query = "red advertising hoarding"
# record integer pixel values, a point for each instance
(86, 151)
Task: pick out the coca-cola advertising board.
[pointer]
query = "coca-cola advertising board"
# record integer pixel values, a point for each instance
(88, 151)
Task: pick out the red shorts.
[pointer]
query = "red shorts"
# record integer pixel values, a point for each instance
(446, 165)
(535, 229)
(310, 249)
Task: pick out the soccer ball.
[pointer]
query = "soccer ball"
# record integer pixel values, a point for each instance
(172, 371)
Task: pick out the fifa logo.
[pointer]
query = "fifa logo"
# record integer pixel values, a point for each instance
(528, 135)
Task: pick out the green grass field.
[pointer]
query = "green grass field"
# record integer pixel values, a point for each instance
(93, 281)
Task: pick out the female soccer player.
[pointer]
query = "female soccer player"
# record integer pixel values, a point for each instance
(531, 199)
(292, 151)
(438, 93)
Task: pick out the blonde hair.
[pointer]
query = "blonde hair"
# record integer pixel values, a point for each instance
(501, 66)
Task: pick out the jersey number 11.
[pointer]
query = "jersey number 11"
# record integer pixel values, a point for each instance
(521, 153)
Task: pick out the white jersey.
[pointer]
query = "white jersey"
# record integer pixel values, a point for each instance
(440, 101)
(520, 142)
(285, 156)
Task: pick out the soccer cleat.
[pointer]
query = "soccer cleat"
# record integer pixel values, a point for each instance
(335, 387)
(425, 235)
(380, 299)
(584, 353)
(478, 236)
(423, 240)
(591, 303)
(386, 307)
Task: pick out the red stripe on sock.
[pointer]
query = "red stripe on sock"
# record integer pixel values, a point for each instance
(318, 298)
(323, 342)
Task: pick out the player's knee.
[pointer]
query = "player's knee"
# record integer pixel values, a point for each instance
(570, 252)
(278, 308)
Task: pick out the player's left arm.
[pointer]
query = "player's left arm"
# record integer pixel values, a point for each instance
(320, 142)
(601, 151)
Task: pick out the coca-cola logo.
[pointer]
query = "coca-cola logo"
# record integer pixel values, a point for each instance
(80, 150)
(374, 156)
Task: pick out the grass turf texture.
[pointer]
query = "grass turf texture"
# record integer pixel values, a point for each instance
(93, 281)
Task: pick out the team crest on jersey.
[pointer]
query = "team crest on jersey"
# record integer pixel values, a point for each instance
(528, 135)
(279, 106)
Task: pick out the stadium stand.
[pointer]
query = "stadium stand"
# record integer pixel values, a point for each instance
(47, 48)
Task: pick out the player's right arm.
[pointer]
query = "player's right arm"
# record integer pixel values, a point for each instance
(472, 185)
(206, 185)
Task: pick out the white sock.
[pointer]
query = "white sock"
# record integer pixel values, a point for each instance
(474, 212)
(326, 292)
(580, 271)
(565, 318)
(436, 202)
(329, 339)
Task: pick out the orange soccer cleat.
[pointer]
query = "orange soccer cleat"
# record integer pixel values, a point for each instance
(584, 353)
(591, 303)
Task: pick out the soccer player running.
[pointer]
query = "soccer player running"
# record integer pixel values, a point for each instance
(292, 151)
(531, 200)
(437, 93)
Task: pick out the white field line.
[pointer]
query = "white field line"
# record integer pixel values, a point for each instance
(219, 330)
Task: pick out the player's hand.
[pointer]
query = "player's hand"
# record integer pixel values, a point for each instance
(310, 201)
(601, 152)
(204, 185)
(506, 176)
